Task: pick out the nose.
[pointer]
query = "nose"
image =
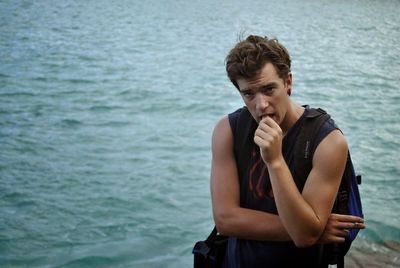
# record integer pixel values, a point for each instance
(261, 102)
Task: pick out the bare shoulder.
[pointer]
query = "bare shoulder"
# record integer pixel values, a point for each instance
(333, 144)
(222, 125)
(222, 135)
(330, 156)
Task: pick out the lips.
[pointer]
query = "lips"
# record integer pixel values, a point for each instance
(266, 115)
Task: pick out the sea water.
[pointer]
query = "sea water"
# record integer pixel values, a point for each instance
(107, 110)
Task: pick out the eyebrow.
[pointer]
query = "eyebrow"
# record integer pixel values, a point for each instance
(246, 90)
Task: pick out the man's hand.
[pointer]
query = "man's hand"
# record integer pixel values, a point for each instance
(268, 137)
(338, 227)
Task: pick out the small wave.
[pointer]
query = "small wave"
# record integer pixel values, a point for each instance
(18, 200)
(71, 122)
(102, 108)
(80, 81)
(25, 203)
(68, 93)
(17, 94)
(113, 124)
(86, 58)
(124, 92)
(12, 196)
(41, 79)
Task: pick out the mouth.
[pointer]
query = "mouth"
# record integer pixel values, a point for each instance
(265, 116)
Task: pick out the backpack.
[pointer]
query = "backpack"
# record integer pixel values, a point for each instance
(210, 253)
(348, 199)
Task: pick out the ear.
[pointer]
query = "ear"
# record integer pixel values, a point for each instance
(289, 83)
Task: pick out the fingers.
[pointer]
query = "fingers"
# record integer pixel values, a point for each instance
(264, 130)
(264, 133)
(336, 239)
(333, 236)
(269, 121)
(359, 225)
(344, 217)
(338, 226)
(267, 124)
(351, 225)
(341, 232)
(268, 131)
(348, 221)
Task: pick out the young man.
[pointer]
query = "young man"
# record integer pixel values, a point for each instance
(246, 203)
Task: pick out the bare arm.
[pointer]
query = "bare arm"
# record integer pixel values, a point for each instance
(305, 214)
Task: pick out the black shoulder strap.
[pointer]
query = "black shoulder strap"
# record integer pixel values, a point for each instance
(305, 145)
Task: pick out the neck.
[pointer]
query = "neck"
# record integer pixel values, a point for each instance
(293, 114)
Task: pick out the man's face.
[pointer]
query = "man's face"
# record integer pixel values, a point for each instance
(266, 94)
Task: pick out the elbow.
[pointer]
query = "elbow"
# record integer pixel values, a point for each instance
(306, 241)
(307, 236)
(223, 222)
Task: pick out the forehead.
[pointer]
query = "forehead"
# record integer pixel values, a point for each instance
(267, 76)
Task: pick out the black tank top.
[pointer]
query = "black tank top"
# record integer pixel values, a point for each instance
(256, 193)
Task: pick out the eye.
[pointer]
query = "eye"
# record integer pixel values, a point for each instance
(268, 90)
(247, 94)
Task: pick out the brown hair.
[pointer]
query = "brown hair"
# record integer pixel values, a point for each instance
(248, 57)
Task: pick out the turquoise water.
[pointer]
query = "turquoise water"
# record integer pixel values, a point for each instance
(107, 109)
